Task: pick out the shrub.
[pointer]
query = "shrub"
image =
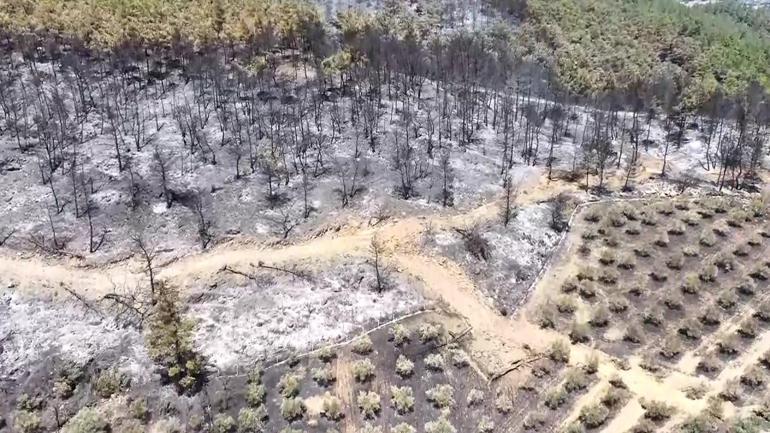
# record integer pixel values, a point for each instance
(579, 332)
(611, 240)
(673, 301)
(534, 421)
(402, 398)
(569, 285)
(728, 346)
(708, 273)
(753, 377)
(429, 332)
(614, 397)
(87, 420)
(403, 428)
(691, 284)
(292, 408)
(709, 364)
(459, 358)
(586, 273)
(68, 375)
(559, 351)
(575, 427)
(326, 354)
(404, 367)
(594, 415)
(555, 398)
(546, 316)
(251, 420)
(363, 345)
(731, 391)
(607, 257)
(331, 407)
(748, 329)
(763, 312)
(27, 422)
(710, 316)
(441, 425)
(475, 397)
(690, 251)
(587, 289)
(633, 334)
(575, 380)
(649, 220)
(707, 239)
(486, 425)
(627, 262)
(727, 300)
(677, 228)
(442, 396)
(658, 276)
(633, 229)
(690, 329)
(671, 348)
(676, 261)
(591, 365)
(656, 410)
(691, 219)
(652, 317)
(370, 428)
(369, 403)
(363, 370)
(741, 251)
(138, 410)
(737, 217)
(617, 382)
(609, 276)
(600, 316)
(592, 215)
(255, 394)
(289, 384)
(760, 274)
(765, 359)
(324, 375)
(645, 426)
(435, 362)
(754, 241)
(503, 402)
(662, 240)
(617, 304)
(589, 235)
(642, 251)
(399, 334)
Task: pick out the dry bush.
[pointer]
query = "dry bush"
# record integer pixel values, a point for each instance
(534, 421)
(579, 332)
(690, 251)
(763, 312)
(617, 304)
(658, 275)
(324, 376)
(648, 219)
(429, 332)
(741, 251)
(251, 420)
(566, 304)
(709, 364)
(434, 362)
(607, 257)
(748, 329)
(486, 425)
(289, 384)
(546, 316)
(399, 334)
(592, 215)
(760, 273)
(589, 235)
(292, 408)
(575, 380)
(586, 273)
(727, 300)
(675, 261)
(753, 377)
(707, 238)
(441, 425)
(587, 289)
(656, 410)
(600, 316)
(503, 402)
(591, 363)
(402, 398)
(331, 407)
(559, 351)
(633, 229)
(729, 345)
(634, 334)
(326, 354)
(614, 397)
(642, 251)
(754, 241)
(645, 426)
(677, 228)
(608, 276)
(569, 285)
(765, 360)
(708, 273)
(690, 329)
(671, 348)
(662, 240)
(731, 391)
(475, 397)
(710, 316)
(555, 398)
(673, 301)
(611, 240)
(691, 284)
(594, 415)
(627, 262)
(720, 228)
(652, 316)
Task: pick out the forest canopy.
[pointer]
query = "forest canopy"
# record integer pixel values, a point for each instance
(602, 45)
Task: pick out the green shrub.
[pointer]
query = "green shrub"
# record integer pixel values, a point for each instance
(555, 398)
(326, 354)
(442, 396)
(27, 422)
(476, 397)
(68, 375)
(403, 428)
(324, 376)
(434, 361)
(138, 410)
(363, 370)
(255, 394)
(441, 425)
(402, 398)
(429, 332)
(594, 415)
(369, 403)
(691, 284)
(399, 334)
(110, 382)
(363, 345)
(404, 367)
(87, 420)
(251, 420)
(331, 407)
(292, 408)
(289, 384)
